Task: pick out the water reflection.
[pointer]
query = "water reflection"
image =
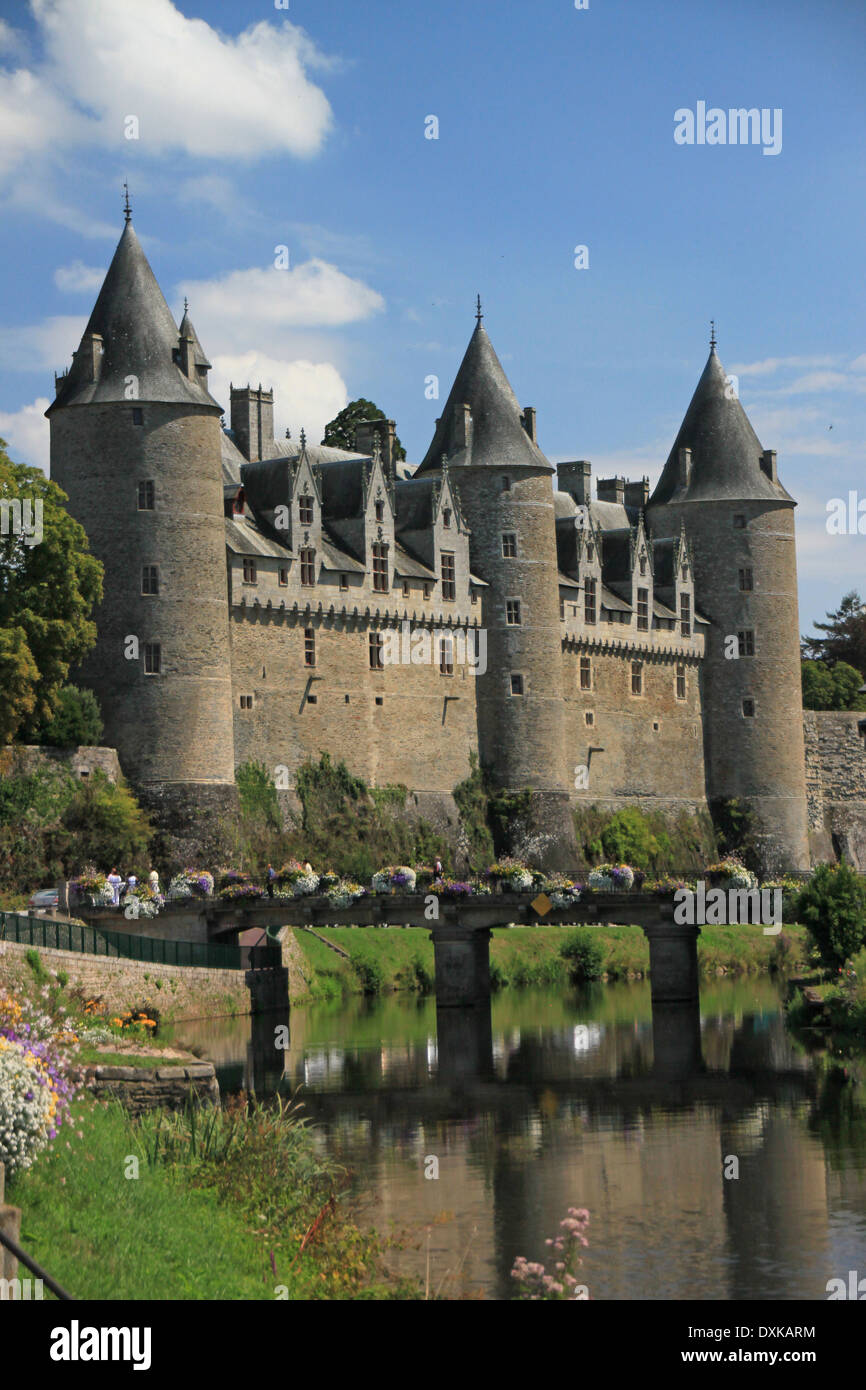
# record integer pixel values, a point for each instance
(552, 1100)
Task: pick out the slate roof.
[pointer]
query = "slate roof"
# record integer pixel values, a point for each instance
(139, 338)
(243, 537)
(333, 558)
(405, 564)
(232, 458)
(498, 439)
(726, 452)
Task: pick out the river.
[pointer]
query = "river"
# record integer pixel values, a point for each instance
(719, 1158)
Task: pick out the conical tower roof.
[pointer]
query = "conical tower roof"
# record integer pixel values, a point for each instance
(139, 339)
(497, 438)
(726, 452)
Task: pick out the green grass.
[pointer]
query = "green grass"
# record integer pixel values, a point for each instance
(219, 1195)
(386, 959)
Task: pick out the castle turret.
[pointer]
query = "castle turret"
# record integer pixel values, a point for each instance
(135, 444)
(739, 519)
(504, 485)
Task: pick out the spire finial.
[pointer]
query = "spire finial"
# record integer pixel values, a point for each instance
(185, 305)
(127, 210)
(303, 439)
(712, 335)
(478, 314)
(376, 452)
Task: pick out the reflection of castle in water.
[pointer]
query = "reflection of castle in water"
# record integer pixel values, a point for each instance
(634, 1119)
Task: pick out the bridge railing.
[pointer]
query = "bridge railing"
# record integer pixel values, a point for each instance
(102, 941)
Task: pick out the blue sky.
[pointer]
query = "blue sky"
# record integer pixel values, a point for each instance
(305, 127)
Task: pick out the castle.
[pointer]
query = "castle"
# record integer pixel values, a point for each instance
(267, 600)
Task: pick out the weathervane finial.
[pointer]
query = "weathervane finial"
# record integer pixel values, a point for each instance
(127, 210)
(478, 314)
(713, 334)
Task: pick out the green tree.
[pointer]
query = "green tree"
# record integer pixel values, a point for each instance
(49, 584)
(831, 687)
(76, 720)
(107, 825)
(340, 432)
(833, 907)
(845, 638)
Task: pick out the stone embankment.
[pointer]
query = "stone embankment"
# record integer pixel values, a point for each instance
(150, 1088)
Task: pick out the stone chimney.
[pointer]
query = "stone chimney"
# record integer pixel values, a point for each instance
(611, 490)
(637, 494)
(576, 479)
(366, 433)
(527, 420)
(768, 465)
(252, 417)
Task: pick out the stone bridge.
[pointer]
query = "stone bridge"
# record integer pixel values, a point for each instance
(460, 931)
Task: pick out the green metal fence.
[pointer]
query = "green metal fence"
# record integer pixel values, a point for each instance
(69, 936)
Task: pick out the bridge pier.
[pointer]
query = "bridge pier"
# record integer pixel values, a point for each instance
(674, 977)
(269, 989)
(462, 961)
(464, 1043)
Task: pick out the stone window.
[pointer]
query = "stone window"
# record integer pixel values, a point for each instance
(446, 656)
(137, 415)
(426, 590)
(562, 610)
(637, 678)
(152, 658)
(380, 568)
(309, 646)
(516, 685)
(312, 699)
(589, 600)
(512, 612)
(250, 574)
(145, 496)
(739, 522)
(746, 642)
(344, 582)
(376, 645)
(748, 708)
(246, 702)
(305, 510)
(446, 518)
(656, 726)
(509, 545)
(308, 567)
(590, 551)
(643, 564)
(586, 673)
(405, 588)
(283, 576)
(589, 718)
(380, 511)
(449, 582)
(379, 700)
(685, 615)
(643, 610)
(681, 682)
(747, 581)
(150, 579)
(506, 483)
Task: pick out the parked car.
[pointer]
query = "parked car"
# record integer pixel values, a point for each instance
(44, 900)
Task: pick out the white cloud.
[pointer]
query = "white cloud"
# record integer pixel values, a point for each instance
(770, 365)
(315, 294)
(211, 190)
(40, 346)
(190, 87)
(26, 433)
(78, 278)
(859, 363)
(306, 394)
(12, 41)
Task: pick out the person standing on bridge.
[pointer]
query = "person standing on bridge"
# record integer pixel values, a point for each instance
(115, 881)
(272, 873)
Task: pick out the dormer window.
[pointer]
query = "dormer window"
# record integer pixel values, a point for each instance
(590, 551)
(506, 483)
(446, 519)
(380, 569)
(305, 510)
(643, 564)
(380, 511)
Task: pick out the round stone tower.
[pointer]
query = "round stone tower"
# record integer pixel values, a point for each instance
(135, 445)
(721, 483)
(506, 495)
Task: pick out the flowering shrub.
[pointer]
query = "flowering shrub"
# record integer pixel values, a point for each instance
(511, 873)
(730, 873)
(234, 885)
(453, 888)
(562, 890)
(192, 883)
(35, 1091)
(142, 1023)
(142, 901)
(94, 886)
(394, 876)
(344, 892)
(536, 1284)
(609, 878)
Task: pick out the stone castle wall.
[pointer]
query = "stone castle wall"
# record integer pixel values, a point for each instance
(836, 784)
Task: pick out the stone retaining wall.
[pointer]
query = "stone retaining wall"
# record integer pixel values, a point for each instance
(177, 991)
(836, 784)
(144, 1088)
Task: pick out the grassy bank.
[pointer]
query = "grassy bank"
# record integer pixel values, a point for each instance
(378, 960)
(250, 1209)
